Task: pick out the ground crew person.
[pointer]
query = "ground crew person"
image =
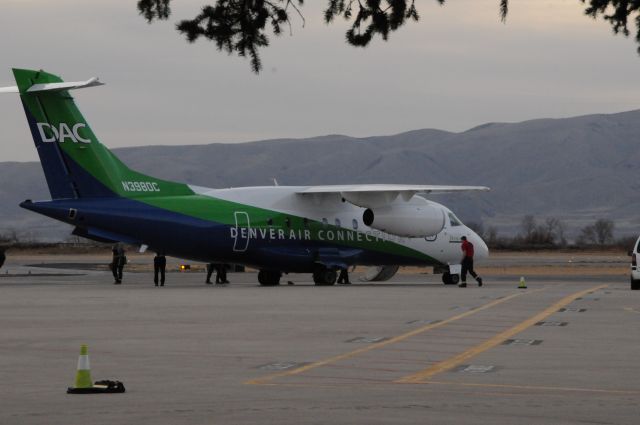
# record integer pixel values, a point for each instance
(344, 277)
(467, 263)
(221, 273)
(2, 257)
(118, 262)
(159, 266)
(221, 276)
(210, 268)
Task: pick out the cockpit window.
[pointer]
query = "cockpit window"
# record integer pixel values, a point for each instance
(454, 220)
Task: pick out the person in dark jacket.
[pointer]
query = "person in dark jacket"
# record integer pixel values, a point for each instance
(159, 266)
(117, 263)
(221, 273)
(467, 263)
(3, 257)
(343, 278)
(221, 276)
(210, 268)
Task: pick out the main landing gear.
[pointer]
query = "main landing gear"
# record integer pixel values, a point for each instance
(269, 277)
(323, 276)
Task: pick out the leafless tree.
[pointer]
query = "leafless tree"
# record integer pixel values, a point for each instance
(598, 233)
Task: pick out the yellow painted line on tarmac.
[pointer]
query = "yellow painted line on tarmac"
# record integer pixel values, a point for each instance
(384, 386)
(458, 359)
(631, 310)
(265, 379)
(535, 387)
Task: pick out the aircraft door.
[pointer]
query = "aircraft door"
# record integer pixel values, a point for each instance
(241, 242)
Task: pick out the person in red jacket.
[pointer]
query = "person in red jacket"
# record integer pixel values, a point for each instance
(467, 263)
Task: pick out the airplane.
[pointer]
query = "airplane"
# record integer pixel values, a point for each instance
(274, 229)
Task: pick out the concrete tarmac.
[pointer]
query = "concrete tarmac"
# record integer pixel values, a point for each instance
(409, 351)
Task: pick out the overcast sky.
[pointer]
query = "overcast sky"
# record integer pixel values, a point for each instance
(457, 68)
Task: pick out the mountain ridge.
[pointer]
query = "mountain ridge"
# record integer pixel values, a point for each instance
(577, 169)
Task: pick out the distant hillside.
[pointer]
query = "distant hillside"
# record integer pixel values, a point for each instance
(577, 169)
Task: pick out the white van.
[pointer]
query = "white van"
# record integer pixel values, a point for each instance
(635, 270)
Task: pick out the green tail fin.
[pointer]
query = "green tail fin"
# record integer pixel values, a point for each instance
(75, 163)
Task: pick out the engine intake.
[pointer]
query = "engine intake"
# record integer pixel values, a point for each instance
(408, 220)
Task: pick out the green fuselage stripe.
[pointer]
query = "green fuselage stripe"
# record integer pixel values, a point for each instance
(222, 211)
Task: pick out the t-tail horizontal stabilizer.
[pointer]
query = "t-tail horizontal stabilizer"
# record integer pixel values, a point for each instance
(92, 82)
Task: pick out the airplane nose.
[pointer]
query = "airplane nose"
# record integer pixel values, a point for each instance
(481, 250)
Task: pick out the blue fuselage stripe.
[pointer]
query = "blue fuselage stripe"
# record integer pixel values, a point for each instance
(196, 239)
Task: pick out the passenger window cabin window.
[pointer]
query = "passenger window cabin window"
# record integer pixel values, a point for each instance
(270, 222)
(338, 222)
(305, 222)
(454, 220)
(287, 222)
(325, 222)
(354, 223)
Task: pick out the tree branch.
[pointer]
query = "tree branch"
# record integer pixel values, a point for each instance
(240, 26)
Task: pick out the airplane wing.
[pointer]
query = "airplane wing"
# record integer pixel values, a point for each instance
(376, 195)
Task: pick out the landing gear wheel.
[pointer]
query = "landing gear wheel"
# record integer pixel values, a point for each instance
(635, 285)
(324, 277)
(269, 277)
(450, 279)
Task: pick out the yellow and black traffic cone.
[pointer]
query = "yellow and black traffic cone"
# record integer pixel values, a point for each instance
(83, 381)
(83, 373)
(523, 284)
(84, 384)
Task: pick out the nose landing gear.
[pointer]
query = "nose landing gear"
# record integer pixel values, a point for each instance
(269, 277)
(450, 279)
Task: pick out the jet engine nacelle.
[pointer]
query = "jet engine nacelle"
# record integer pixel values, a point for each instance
(413, 220)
